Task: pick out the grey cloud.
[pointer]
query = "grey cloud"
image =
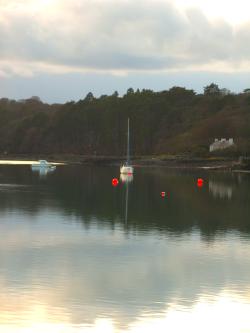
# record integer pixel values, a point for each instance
(208, 41)
(111, 35)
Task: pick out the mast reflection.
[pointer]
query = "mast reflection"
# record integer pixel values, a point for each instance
(126, 179)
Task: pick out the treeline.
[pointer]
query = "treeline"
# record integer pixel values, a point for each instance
(173, 121)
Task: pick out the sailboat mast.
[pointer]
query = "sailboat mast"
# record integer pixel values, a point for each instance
(128, 157)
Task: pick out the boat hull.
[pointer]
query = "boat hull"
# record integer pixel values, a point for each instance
(126, 178)
(126, 170)
(42, 164)
(38, 167)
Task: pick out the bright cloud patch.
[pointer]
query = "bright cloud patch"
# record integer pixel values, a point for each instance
(116, 37)
(234, 12)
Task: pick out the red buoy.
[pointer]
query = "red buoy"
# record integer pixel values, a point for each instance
(200, 182)
(115, 182)
(163, 194)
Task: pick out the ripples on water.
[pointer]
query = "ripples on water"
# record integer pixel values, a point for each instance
(73, 260)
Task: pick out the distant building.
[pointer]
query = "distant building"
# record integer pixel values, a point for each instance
(221, 144)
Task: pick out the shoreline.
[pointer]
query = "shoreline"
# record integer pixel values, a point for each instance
(168, 161)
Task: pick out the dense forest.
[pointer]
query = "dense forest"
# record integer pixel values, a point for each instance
(174, 121)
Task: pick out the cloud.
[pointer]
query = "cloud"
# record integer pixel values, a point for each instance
(116, 37)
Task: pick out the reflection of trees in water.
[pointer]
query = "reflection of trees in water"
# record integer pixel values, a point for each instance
(114, 276)
(220, 190)
(87, 193)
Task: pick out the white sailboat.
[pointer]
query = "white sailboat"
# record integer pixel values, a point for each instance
(127, 168)
(43, 164)
(43, 167)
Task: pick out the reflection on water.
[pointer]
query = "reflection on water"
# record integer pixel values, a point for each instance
(16, 162)
(126, 179)
(220, 190)
(70, 263)
(43, 171)
(226, 313)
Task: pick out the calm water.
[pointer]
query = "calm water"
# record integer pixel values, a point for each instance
(77, 255)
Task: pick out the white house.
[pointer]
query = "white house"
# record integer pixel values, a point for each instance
(221, 144)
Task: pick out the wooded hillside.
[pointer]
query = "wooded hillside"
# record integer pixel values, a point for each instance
(169, 122)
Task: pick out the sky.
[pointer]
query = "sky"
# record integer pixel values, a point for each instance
(60, 50)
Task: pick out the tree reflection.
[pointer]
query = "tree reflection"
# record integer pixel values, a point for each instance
(87, 194)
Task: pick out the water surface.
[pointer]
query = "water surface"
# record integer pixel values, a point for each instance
(78, 255)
